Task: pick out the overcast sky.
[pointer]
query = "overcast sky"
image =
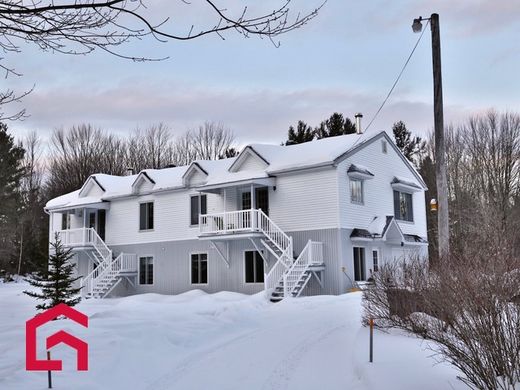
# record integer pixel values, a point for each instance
(344, 60)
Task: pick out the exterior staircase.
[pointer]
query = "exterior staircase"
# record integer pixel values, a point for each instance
(289, 275)
(108, 271)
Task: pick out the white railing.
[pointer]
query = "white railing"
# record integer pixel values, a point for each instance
(274, 277)
(228, 222)
(106, 271)
(289, 278)
(128, 262)
(84, 237)
(254, 220)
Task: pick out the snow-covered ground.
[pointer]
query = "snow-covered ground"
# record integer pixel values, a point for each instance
(219, 341)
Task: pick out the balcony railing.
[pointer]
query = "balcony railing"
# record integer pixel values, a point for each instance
(229, 222)
(78, 237)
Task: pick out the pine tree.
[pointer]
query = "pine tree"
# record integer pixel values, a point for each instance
(410, 146)
(11, 172)
(56, 287)
(334, 126)
(303, 133)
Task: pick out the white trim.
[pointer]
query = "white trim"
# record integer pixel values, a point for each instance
(378, 259)
(139, 216)
(199, 195)
(139, 257)
(354, 179)
(207, 268)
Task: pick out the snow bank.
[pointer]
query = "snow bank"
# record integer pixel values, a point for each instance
(219, 341)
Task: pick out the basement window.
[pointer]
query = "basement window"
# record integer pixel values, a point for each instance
(199, 268)
(146, 270)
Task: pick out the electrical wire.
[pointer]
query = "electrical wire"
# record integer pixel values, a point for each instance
(398, 77)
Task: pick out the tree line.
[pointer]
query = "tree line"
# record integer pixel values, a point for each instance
(30, 175)
(483, 169)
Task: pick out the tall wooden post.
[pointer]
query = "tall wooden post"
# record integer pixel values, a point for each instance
(440, 149)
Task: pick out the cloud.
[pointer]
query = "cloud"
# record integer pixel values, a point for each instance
(260, 115)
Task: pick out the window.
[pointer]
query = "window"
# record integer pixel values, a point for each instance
(254, 267)
(146, 216)
(198, 205)
(356, 191)
(199, 268)
(146, 270)
(65, 221)
(375, 260)
(403, 206)
(359, 264)
(384, 147)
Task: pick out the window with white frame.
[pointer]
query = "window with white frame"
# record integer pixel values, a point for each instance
(198, 206)
(199, 268)
(65, 220)
(254, 267)
(356, 190)
(403, 206)
(146, 270)
(146, 216)
(375, 260)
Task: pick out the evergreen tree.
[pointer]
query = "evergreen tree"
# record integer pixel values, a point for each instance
(410, 146)
(303, 133)
(334, 126)
(11, 172)
(56, 287)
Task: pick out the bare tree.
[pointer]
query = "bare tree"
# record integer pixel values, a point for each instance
(79, 152)
(210, 141)
(467, 309)
(151, 148)
(81, 26)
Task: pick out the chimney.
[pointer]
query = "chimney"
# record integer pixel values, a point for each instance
(129, 171)
(358, 117)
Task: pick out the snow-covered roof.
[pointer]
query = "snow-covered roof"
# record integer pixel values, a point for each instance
(279, 159)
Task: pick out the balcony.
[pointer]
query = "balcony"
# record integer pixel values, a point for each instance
(79, 238)
(230, 223)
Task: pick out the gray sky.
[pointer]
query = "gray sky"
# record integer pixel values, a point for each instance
(345, 60)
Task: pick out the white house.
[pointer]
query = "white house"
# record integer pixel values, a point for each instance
(302, 219)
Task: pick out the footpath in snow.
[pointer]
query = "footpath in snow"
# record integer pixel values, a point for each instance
(219, 341)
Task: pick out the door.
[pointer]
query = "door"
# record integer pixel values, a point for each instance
(101, 220)
(359, 264)
(261, 199)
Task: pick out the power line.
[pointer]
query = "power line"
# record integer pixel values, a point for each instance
(398, 77)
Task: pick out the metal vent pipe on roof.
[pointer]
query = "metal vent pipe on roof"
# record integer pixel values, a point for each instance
(358, 117)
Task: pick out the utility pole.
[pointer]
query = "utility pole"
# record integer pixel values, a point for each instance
(443, 225)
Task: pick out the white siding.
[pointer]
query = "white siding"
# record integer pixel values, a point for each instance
(196, 177)
(305, 200)
(171, 218)
(252, 163)
(378, 193)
